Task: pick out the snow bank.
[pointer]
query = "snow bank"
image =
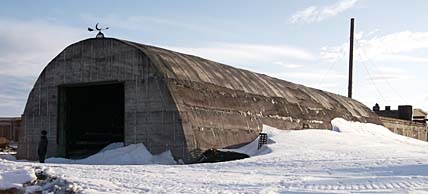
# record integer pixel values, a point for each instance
(251, 149)
(13, 176)
(372, 133)
(114, 154)
(7, 157)
(355, 158)
(365, 129)
(112, 146)
(345, 133)
(352, 158)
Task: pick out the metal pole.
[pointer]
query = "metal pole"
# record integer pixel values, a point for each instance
(351, 55)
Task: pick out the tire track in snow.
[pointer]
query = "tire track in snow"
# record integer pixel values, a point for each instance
(373, 186)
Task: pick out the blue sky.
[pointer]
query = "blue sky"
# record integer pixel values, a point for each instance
(305, 42)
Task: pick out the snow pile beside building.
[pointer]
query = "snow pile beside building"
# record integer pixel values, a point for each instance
(14, 176)
(352, 158)
(252, 149)
(112, 146)
(7, 156)
(117, 154)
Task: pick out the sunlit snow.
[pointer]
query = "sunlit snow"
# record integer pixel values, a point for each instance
(354, 157)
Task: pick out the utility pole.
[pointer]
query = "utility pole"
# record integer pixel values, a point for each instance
(351, 56)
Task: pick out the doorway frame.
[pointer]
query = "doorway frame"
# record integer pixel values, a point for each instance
(62, 131)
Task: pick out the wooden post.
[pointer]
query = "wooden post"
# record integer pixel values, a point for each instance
(351, 55)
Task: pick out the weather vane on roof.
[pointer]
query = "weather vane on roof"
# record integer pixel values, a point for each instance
(100, 34)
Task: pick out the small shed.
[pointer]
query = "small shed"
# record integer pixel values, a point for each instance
(103, 90)
(419, 116)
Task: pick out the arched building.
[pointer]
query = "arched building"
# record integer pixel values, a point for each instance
(104, 90)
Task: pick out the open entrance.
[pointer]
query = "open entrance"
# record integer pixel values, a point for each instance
(90, 118)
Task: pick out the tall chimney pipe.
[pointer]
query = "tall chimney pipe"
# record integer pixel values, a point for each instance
(351, 56)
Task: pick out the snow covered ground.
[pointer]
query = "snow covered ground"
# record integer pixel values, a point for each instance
(354, 158)
(117, 154)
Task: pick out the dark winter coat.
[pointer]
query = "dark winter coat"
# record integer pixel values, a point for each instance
(43, 145)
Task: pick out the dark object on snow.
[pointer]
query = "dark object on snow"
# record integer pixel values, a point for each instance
(41, 175)
(262, 140)
(11, 191)
(46, 183)
(214, 155)
(43, 147)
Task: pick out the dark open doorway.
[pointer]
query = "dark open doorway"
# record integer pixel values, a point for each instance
(90, 118)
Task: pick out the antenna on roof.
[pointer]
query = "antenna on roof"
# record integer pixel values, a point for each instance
(97, 28)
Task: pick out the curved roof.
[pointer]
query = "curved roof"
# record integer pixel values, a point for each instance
(217, 105)
(181, 66)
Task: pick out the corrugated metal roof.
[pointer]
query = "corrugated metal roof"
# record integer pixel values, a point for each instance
(181, 66)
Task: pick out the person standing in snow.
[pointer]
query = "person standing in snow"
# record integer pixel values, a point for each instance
(43, 147)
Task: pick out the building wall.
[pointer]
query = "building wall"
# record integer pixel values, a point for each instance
(151, 116)
(180, 102)
(406, 128)
(10, 127)
(222, 106)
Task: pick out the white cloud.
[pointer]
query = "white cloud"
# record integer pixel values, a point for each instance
(383, 76)
(288, 65)
(390, 47)
(14, 91)
(387, 73)
(9, 100)
(27, 46)
(389, 69)
(401, 58)
(238, 54)
(316, 14)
